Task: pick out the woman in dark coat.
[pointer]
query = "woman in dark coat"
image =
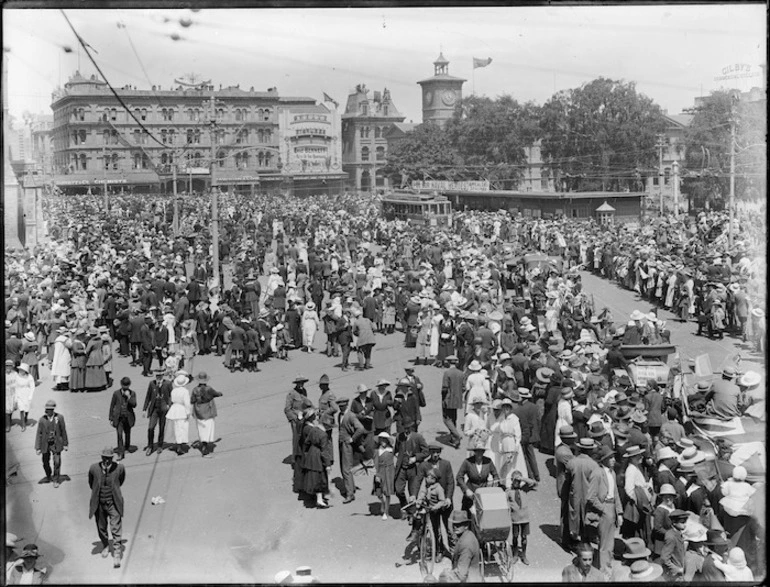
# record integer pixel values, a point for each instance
(550, 415)
(95, 379)
(382, 400)
(315, 460)
(78, 363)
(292, 321)
(412, 313)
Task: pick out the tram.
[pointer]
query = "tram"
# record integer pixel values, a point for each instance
(428, 209)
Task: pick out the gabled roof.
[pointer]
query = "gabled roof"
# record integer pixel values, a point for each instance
(401, 128)
(605, 207)
(680, 119)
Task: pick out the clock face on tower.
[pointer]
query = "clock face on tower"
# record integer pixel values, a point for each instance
(428, 98)
(448, 97)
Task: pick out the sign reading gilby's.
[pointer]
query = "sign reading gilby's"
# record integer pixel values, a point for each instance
(736, 68)
(737, 71)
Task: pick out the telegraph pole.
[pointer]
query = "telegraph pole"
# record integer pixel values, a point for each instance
(104, 180)
(660, 146)
(214, 195)
(675, 187)
(175, 222)
(732, 176)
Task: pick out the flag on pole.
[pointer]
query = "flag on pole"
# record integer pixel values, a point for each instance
(481, 62)
(328, 98)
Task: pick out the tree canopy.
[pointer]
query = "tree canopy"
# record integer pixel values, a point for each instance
(424, 153)
(706, 176)
(601, 135)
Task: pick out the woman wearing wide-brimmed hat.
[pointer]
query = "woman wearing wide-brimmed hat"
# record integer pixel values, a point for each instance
(24, 570)
(179, 413)
(384, 471)
(78, 362)
(96, 378)
(205, 410)
(475, 471)
(315, 459)
(310, 324)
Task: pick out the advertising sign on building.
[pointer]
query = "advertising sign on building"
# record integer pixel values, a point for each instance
(465, 186)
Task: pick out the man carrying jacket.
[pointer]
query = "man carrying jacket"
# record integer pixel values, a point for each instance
(51, 438)
(105, 479)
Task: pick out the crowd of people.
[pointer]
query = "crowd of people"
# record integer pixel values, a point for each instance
(528, 362)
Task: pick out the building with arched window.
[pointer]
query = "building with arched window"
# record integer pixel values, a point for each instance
(164, 127)
(365, 126)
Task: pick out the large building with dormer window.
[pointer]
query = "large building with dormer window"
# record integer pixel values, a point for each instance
(96, 141)
(365, 125)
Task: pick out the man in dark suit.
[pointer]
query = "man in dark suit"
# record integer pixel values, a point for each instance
(147, 343)
(445, 477)
(156, 404)
(351, 440)
(413, 450)
(122, 415)
(105, 479)
(51, 438)
(526, 410)
(562, 456)
(581, 471)
(136, 322)
(452, 398)
(202, 327)
(181, 307)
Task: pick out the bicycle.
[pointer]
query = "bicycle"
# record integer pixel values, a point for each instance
(426, 538)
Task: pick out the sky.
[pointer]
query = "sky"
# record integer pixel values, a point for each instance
(673, 53)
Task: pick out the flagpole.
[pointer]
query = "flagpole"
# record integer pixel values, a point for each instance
(473, 80)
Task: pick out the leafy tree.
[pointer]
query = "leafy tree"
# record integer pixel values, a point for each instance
(706, 176)
(425, 153)
(490, 137)
(601, 135)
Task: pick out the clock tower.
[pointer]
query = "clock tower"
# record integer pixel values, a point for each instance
(440, 93)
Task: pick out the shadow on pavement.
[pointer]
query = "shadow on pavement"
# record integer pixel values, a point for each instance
(553, 532)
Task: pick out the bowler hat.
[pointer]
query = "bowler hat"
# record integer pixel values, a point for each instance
(605, 452)
(716, 538)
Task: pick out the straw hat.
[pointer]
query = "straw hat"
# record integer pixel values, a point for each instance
(667, 489)
(750, 379)
(474, 366)
(180, 381)
(645, 571)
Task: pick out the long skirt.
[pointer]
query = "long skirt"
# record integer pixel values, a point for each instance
(181, 431)
(308, 333)
(78, 378)
(95, 378)
(206, 430)
(315, 481)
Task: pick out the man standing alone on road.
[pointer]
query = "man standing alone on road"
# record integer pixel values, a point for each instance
(51, 438)
(156, 404)
(105, 479)
(452, 399)
(122, 416)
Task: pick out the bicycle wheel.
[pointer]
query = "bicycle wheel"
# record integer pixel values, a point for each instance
(427, 548)
(504, 556)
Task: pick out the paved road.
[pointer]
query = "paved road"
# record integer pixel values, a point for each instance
(234, 518)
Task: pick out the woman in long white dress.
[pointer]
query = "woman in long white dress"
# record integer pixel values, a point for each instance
(62, 359)
(475, 425)
(10, 393)
(563, 413)
(310, 325)
(476, 385)
(179, 414)
(25, 390)
(435, 333)
(509, 457)
(552, 311)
